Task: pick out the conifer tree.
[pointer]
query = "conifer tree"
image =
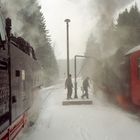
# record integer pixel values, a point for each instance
(29, 23)
(128, 27)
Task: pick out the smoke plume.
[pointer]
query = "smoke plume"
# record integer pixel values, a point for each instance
(25, 19)
(102, 44)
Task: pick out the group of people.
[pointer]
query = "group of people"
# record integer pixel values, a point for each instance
(69, 87)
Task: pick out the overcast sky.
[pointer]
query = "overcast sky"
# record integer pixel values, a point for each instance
(55, 12)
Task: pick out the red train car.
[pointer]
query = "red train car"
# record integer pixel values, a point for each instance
(120, 78)
(134, 55)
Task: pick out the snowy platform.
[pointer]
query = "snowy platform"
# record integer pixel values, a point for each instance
(77, 102)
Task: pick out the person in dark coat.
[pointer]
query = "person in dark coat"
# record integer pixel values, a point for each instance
(69, 86)
(85, 87)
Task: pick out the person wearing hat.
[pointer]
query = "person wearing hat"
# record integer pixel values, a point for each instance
(85, 87)
(69, 86)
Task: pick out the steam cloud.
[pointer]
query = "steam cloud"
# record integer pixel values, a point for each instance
(25, 22)
(102, 46)
(104, 11)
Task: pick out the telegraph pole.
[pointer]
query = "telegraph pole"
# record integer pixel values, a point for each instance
(67, 27)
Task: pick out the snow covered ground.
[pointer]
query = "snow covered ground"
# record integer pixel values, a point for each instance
(99, 121)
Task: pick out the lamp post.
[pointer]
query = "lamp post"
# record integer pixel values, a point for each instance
(75, 74)
(67, 26)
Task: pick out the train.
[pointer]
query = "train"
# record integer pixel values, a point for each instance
(120, 77)
(20, 75)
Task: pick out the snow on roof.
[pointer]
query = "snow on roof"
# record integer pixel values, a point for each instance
(135, 49)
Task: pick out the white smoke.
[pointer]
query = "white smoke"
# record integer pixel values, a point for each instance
(25, 22)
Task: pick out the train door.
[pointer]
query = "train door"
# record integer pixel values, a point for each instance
(135, 77)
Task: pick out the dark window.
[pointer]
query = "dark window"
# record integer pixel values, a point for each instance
(3, 65)
(17, 73)
(139, 68)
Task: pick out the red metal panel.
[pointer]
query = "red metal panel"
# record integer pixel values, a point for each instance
(135, 79)
(15, 128)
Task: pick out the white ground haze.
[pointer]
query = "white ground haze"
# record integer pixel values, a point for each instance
(100, 121)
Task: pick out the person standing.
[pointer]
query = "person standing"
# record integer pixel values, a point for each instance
(85, 87)
(69, 86)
